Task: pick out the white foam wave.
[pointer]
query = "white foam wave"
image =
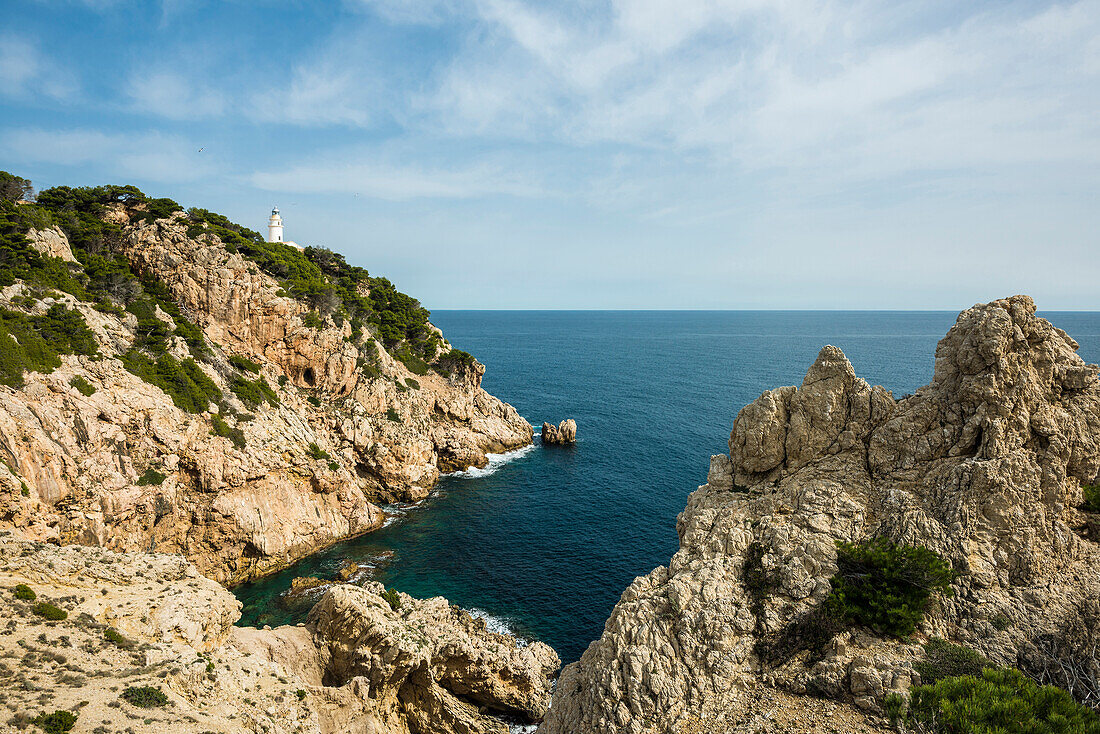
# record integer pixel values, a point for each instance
(496, 461)
(522, 728)
(497, 625)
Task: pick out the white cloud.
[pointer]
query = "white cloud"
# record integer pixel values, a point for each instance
(320, 93)
(25, 72)
(170, 95)
(145, 156)
(858, 87)
(377, 179)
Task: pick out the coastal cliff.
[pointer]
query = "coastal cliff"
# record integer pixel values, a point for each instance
(143, 642)
(986, 467)
(172, 383)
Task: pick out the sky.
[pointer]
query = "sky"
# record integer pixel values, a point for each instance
(712, 154)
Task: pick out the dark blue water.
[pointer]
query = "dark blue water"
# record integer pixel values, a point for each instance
(549, 541)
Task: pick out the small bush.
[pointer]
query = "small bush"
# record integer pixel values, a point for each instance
(185, 382)
(115, 638)
(885, 586)
(412, 383)
(412, 362)
(82, 386)
(314, 401)
(253, 392)
(220, 428)
(151, 477)
(998, 702)
(55, 723)
(316, 452)
(50, 612)
(894, 706)
(283, 380)
(453, 361)
(145, 697)
(312, 320)
(391, 597)
(1092, 498)
(943, 659)
(24, 592)
(393, 415)
(243, 363)
(300, 694)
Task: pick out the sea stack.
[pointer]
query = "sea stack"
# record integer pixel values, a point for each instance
(563, 434)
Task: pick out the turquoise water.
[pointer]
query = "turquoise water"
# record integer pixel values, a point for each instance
(546, 542)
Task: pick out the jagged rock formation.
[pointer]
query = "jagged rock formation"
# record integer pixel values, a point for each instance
(984, 466)
(560, 435)
(357, 666)
(352, 428)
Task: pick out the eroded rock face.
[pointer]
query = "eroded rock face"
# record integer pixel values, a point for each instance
(562, 434)
(429, 666)
(313, 469)
(984, 466)
(358, 666)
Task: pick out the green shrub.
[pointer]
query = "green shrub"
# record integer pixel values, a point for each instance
(312, 320)
(393, 415)
(151, 477)
(35, 343)
(885, 586)
(283, 380)
(25, 593)
(314, 401)
(943, 659)
(49, 611)
(220, 428)
(392, 598)
(412, 362)
(894, 706)
(55, 723)
(412, 383)
(998, 702)
(145, 697)
(243, 363)
(300, 694)
(115, 638)
(453, 361)
(185, 382)
(1092, 497)
(316, 452)
(253, 392)
(82, 386)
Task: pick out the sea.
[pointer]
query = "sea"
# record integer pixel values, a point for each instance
(544, 540)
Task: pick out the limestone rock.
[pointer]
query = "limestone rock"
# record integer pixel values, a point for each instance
(73, 462)
(51, 242)
(359, 666)
(984, 466)
(560, 435)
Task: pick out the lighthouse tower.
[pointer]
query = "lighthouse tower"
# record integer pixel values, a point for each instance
(275, 226)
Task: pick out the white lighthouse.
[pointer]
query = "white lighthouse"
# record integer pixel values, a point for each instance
(275, 226)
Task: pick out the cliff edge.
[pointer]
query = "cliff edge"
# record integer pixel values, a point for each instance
(984, 466)
(170, 382)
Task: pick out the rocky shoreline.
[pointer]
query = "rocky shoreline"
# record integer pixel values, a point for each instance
(318, 425)
(985, 467)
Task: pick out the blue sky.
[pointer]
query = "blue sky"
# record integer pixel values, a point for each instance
(641, 154)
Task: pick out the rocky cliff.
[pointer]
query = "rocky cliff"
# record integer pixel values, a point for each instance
(984, 466)
(197, 406)
(148, 645)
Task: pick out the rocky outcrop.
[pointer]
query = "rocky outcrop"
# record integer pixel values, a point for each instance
(51, 242)
(984, 466)
(563, 434)
(429, 666)
(357, 666)
(122, 467)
